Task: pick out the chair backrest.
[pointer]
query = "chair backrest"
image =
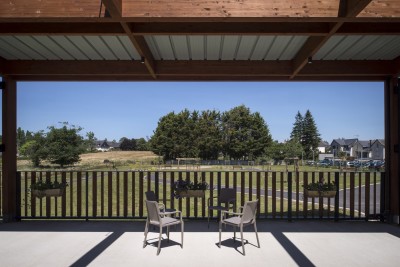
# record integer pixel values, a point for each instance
(153, 212)
(151, 196)
(249, 211)
(226, 194)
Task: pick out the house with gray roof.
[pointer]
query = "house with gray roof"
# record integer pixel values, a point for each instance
(343, 145)
(104, 145)
(378, 149)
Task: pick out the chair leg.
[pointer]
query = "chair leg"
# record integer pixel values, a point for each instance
(220, 230)
(208, 218)
(146, 229)
(255, 229)
(168, 234)
(241, 236)
(234, 233)
(159, 241)
(182, 234)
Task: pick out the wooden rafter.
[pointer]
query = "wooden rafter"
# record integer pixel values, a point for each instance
(347, 8)
(114, 8)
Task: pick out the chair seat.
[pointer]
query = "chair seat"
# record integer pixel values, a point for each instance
(233, 220)
(166, 221)
(170, 210)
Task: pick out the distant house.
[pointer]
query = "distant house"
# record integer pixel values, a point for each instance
(378, 149)
(344, 145)
(359, 149)
(322, 147)
(104, 145)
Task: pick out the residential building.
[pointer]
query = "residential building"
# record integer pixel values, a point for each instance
(104, 145)
(378, 149)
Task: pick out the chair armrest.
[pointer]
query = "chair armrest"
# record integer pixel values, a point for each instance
(172, 212)
(223, 212)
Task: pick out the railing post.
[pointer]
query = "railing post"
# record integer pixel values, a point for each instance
(382, 200)
(18, 197)
(87, 196)
(290, 196)
(337, 196)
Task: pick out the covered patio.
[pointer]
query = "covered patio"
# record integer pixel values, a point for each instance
(99, 243)
(117, 40)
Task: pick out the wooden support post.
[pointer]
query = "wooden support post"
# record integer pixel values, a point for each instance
(9, 157)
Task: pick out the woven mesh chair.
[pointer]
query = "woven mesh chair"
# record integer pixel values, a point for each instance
(240, 220)
(151, 196)
(227, 196)
(161, 220)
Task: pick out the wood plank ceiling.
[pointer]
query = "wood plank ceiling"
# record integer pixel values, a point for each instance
(261, 40)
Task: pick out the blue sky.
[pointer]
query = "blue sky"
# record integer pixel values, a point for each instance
(132, 109)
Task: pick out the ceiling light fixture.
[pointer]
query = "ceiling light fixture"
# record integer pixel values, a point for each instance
(309, 60)
(142, 59)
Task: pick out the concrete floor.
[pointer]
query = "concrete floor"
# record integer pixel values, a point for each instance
(106, 243)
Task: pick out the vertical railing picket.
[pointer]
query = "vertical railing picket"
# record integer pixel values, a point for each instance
(195, 199)
(102, 194)
(258, 193)
(141, 188)
(383, 197)
(282, 181)
(352, 185)
(289, 196)
(64, 197)
(87, 196)
(18, 196)
(203, 200)
(344, 194)
(125, 194)
(367, 195)
(266, 187)
(211, 194)
(337, 196)
(133, 186)
(359, 194)
(110, 194)
(274, 195)
(242, 188)
(321, 199)
(305, 197)
(94, 194)
(78, 194)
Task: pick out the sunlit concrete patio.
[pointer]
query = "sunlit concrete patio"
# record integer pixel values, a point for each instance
(106, 243)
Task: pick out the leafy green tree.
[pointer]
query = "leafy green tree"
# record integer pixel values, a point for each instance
(142, 144)
(21, 138)
(209, 137)
(35, 148)
(245, 134)
(175, 135)
(90, 141)
(276, 151)
(127, 144)
(64, 145)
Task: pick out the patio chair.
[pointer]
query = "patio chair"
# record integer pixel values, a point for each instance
(151, 196)
(159, 219)
(227, 196)
(242, 219)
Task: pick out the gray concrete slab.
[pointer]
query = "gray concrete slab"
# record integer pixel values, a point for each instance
(106, 243)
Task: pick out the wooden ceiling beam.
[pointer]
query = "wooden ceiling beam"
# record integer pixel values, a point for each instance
(110, 27)
(61, 28)
(212, 68)
(231, 28)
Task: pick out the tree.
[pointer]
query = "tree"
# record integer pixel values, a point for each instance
(127, 144)
(141, 144)
(35, 148)
(91, 141)
(21, 138)
(175, 136)
(245, 134)
(297, 131)
(305, 132)
(64, 145)
(311, 135)
(209, 136)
